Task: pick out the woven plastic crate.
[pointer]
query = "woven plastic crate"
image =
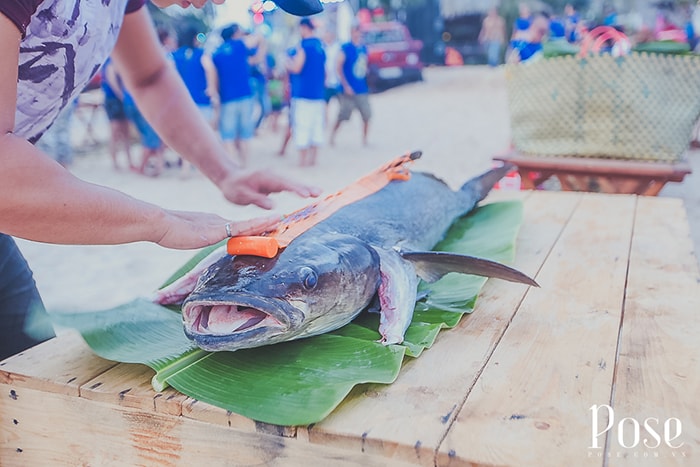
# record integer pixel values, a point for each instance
(640, 106)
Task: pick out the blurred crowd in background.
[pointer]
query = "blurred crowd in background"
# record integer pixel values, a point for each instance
(533, 29)
(280, 74)
(241, 85)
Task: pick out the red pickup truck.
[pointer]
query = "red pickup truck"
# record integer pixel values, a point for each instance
(394, 56)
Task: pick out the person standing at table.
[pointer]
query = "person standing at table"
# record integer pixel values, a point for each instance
(352, 72)
(51, 50)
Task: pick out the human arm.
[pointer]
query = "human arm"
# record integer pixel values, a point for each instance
(166, 104)
(340, 69)
(212, 90)
(296, 63)
(42, 201)
(212, 77)
(257, 43)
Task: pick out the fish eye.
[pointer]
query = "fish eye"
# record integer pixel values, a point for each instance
(309, 278)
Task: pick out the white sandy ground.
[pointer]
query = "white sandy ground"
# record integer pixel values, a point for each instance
(458, 117)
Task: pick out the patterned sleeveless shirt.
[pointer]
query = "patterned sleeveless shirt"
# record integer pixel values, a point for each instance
(64, 44)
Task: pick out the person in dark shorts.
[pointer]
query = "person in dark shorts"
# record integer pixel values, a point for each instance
(352, 73)
(119, 138)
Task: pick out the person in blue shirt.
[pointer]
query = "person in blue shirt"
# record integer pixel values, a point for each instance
(610, 18)
(521, 33)
(308, 93)
(189, 61)
(528, 32)
(572, 23)
(557, 29)
(230, 88)
(352, 72)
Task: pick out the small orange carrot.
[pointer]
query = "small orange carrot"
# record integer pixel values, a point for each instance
(267, 247)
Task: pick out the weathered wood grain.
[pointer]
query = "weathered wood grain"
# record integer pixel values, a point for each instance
(50, 429)
(130, 385)
(658, 369)
(58, 365)
(530, 404)
(408, 419)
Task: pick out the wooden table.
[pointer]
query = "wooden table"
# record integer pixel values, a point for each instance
(615, 323)
(597, 174)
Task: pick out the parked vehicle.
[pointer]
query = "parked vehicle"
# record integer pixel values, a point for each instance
(394, 56)
(462, 34)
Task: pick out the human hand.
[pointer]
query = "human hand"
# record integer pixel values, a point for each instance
(189, 230)
(254, 187)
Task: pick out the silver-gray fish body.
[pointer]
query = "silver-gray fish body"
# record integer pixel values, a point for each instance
(377, 246)
(414, 214)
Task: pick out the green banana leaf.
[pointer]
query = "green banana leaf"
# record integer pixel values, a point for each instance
(559, 48)
(298, 382)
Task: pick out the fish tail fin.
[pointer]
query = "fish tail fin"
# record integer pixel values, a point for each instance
(478, 187)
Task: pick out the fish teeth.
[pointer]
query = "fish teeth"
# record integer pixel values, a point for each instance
(193, 315)
(204, 317)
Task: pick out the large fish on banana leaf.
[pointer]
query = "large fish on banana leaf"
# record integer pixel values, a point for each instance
(370, 252)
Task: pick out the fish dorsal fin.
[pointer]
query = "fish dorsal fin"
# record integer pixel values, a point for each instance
(432, 265)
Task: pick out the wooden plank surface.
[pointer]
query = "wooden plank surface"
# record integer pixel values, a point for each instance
(530, 404)
(58, 365)
(130, 385)
(658, 370)
(408, 419)
(48, 429)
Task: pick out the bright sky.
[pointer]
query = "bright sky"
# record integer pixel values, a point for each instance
(233, 11)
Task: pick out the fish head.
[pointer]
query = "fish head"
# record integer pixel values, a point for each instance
(315, 285)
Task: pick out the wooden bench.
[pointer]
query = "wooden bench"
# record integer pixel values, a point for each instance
(597, 174)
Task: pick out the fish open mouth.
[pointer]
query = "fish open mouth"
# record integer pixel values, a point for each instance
(222, 319)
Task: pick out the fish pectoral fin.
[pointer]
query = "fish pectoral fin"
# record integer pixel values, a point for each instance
(432, 265)
(397, 295)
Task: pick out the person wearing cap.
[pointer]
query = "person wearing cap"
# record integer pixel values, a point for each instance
(51, 50)
(308, 93)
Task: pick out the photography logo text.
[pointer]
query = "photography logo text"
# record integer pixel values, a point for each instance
(631, 437)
